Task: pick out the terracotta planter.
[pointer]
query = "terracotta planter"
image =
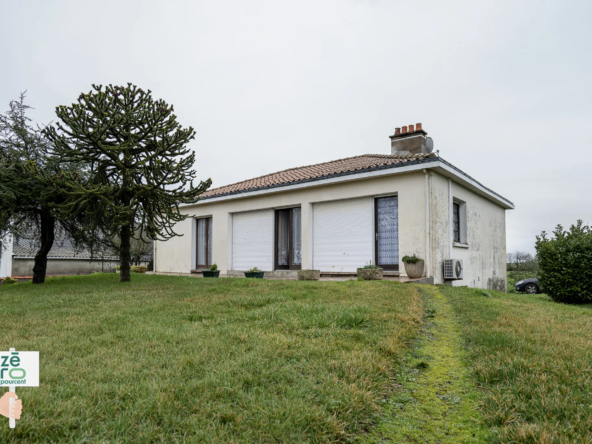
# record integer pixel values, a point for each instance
(414, 270)
(370, 274)
(211, 274)
(309, 275)
(254, 274)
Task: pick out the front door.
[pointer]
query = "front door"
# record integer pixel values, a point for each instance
(386, 210)
(288, 229)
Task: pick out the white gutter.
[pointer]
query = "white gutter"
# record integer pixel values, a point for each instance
(437, 165)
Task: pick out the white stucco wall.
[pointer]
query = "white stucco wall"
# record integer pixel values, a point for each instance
(178, 254)
(6, 257)
(484, 257)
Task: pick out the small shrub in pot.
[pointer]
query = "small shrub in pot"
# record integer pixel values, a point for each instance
(370, 272)
(254, 273)
(413, 266)
(213, 272)
(309, 275)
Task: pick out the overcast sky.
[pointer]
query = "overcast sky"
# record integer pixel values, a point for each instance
(503, 87)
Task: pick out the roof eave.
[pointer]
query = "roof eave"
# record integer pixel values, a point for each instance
(436, 163)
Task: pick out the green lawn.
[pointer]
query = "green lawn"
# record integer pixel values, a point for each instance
(206, 360)
(175, 359)
(532, 360)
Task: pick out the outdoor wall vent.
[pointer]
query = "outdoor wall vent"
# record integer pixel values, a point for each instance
(453, 269)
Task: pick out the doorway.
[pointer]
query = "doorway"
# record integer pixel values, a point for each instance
(288, 239)
(386, 217)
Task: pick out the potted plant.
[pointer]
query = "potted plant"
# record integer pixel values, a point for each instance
(413, 266)
(213, 272)
(254, 273)
(309, 275)
(370, 272)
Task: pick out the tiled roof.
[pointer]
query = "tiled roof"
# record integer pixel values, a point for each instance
(350, 165)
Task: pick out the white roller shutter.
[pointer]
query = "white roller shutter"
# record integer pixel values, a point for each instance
(252, 240)
(343, 234)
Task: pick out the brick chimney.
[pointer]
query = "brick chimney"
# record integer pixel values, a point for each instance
(410, 140)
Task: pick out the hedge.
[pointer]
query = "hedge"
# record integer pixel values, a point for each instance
(566, 264)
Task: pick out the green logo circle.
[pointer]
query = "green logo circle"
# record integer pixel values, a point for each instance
(17, 370)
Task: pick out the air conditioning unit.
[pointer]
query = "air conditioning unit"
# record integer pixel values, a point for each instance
(453, 269)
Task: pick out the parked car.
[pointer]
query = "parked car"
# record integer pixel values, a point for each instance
(530, 286)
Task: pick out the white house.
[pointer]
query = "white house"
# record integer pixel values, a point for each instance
(340, 215)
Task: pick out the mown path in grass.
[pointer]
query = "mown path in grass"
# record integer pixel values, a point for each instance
(532, 361)
(436, 401)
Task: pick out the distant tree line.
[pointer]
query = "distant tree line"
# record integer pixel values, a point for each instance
(522, 261)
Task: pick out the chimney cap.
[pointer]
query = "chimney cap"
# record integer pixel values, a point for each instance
(409, 130)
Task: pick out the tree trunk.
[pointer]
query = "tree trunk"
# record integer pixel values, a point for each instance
(47, 238)
(125, 254)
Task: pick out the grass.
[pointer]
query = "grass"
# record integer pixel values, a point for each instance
(533, 362)
(436, 400)
(173, 359)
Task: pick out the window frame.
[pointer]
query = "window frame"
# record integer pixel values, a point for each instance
(387, 267)
(209, 224)
(456, 223)
(461, 207)
(291, 265)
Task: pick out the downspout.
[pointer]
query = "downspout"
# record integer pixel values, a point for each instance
(427, 227)
(450, 236)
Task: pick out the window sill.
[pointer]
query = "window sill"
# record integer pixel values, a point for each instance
(460, 245)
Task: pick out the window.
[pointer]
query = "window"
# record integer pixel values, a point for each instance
(456, 221)
(386, 220)
(288, 239)
(204, 242)
(459, 222)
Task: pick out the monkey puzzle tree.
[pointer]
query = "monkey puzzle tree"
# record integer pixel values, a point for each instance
(140, 169)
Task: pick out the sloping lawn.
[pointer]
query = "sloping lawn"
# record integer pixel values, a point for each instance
(533, 361)
(177, 359)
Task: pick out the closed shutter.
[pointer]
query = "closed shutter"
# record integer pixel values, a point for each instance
(252, 240)
(343, 234)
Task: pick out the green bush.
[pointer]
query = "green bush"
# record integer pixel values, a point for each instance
(370, 266)
(214, 267)
(9, 280)
(566, 264)
(139, 268)
(411, 259)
